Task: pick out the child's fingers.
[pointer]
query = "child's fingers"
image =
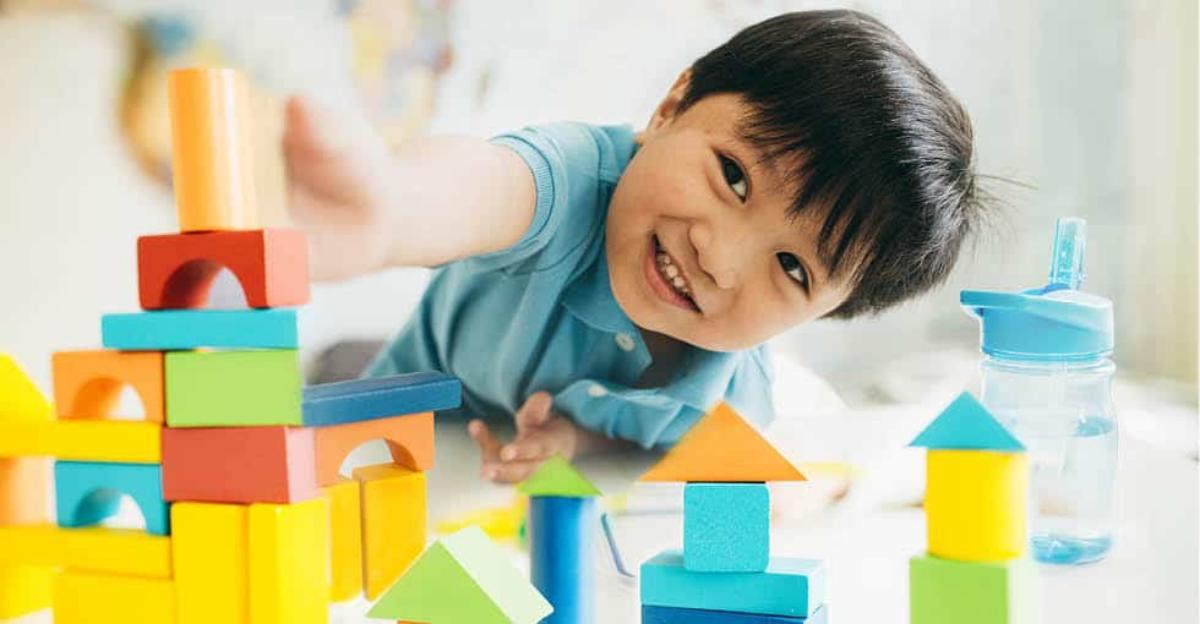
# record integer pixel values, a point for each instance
(489, 447)
(527, 449)
(535, 412)
(509, 472)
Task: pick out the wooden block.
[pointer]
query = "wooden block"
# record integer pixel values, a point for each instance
(967, 425)
(463, 577)
(87, 493)
(25, 439)
(678, 615)
(345, 527)
(975, 504)
(723, 448)
(86, 598)
(20, 399)
(209, 545)
(84, 440)
(951, 592)
(393, 515)
(212, 164)
(25, 589)
(168, 330)
(289, 563)
(24, 490)
(789, 586)
(410, 439)
(239, 465)
(379, 397)
(726, 527)
(233, 388)
(177, 270)
(562, 556)
(557, 477)
(107, 550)
(87, 384)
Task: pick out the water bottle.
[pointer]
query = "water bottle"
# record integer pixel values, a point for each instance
(1047, 375)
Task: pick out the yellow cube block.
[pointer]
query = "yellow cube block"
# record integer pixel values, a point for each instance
(209, 544)
(95, 549)
(24, 589)
(393, 513)
(85, 598)
(976, 504)
(345, 523)
(289, 562)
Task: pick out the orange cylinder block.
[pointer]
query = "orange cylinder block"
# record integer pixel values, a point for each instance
(212, 161)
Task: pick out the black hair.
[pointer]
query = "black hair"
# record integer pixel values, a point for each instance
(870, 135)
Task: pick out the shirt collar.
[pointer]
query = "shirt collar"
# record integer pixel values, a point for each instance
(590, 298)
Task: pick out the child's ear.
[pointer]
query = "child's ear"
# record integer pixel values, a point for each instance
(669, 107)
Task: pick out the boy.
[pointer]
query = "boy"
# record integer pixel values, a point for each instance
(607, 287)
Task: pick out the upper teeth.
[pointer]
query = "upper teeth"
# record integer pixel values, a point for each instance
(672, 273)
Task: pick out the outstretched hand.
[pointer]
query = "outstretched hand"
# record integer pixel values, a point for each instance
(541, 434)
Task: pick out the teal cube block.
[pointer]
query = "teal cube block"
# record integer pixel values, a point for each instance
(726, 527)
(789, 586)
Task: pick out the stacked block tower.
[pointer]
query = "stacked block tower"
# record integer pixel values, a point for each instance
(726, 572)
(234, 464)
(977, 480)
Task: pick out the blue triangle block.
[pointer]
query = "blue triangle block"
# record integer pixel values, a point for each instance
(967, 425)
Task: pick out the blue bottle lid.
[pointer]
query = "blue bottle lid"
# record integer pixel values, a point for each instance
(1052, 323)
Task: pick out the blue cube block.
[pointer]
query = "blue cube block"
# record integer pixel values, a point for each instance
(726, 527)
(677, 615)
(177, 330)
(789, 586)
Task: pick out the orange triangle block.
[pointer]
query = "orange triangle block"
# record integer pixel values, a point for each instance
(723, 448)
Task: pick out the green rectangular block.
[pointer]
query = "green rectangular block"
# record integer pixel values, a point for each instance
(233, 388)
(942, 591)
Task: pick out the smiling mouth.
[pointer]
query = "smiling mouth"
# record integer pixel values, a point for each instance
(673, 279)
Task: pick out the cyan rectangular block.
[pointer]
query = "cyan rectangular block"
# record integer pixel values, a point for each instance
(87, 493)
(379, 397)
(789, 586)
(675, 615)
(177, 330)
(726, 527)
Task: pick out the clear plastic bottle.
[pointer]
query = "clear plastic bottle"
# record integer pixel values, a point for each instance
(1048, 376)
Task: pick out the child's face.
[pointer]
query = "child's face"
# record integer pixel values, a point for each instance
(700, 244)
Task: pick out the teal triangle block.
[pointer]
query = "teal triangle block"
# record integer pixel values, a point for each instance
(967, 425)
(557, 477)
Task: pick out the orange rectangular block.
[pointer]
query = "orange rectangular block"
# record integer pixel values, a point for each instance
(212, 156)
(394, 523)
(87, 384)
(24, 490)
(409, 438)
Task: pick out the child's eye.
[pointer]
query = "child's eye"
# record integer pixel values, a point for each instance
(792, 266)
(733, 176)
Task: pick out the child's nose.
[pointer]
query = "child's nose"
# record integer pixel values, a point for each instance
(717, 254)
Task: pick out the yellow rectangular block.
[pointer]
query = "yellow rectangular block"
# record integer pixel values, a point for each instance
(209, 543)
(85, 598)
(393, 514)
(289, 562)
(976, 504)
(25, 439)
(24, 589)
(131, 442)
(96, 549)
(345, 524)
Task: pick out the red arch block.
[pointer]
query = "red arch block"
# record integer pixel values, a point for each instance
(409, 438)
(177, 270)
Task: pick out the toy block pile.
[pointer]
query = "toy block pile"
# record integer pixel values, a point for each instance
(234, 465)
(977, 480)
(726, 572)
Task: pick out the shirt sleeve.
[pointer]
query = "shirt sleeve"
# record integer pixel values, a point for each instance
(564, 160)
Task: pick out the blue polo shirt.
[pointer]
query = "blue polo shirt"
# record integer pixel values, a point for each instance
(541, 314)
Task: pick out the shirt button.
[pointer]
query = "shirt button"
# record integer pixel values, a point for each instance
(625, 341)
(597, 390)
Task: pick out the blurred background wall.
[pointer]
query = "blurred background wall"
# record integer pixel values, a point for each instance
(1090, 106)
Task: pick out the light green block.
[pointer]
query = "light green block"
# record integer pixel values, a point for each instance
(463, 577)
(557, 477)
(942, 591)
(233, 388)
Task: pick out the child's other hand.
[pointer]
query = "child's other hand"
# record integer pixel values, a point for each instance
(541, 433)
(337, 170)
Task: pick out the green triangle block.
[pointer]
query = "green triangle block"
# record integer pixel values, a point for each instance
(967, 425)
(462, 577)
(557, 477)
